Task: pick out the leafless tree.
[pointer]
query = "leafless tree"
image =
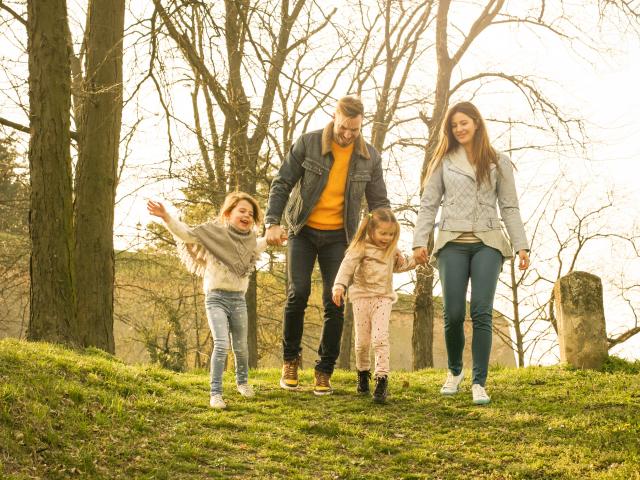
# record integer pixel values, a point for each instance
(389, 43)
(98, 117)
(453, 43)
(52, 264)
(255, 37)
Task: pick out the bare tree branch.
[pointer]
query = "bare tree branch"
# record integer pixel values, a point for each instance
(13, 13)
(25, 129)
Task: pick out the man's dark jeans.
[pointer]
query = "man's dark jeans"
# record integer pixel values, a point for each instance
(328, 246)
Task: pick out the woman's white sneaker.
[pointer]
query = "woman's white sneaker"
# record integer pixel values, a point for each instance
(246, 390)
(452, 383)
(217, 402)
(479, 394)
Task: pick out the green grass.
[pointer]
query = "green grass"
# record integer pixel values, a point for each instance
(87, 415)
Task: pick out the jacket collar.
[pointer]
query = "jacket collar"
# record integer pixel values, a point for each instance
(360, 148)
(458, 158)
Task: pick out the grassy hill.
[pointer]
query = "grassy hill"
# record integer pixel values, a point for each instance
(86, 415)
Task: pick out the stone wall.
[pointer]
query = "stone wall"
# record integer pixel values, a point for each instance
(400, 332)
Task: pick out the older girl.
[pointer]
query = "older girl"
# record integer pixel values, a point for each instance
(470, 178)
(224, 253)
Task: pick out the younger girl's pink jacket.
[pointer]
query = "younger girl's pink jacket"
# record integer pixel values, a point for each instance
(367, 273)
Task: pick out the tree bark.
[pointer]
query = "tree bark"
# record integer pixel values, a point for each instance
(252, 310)
(96, 173)
(52, 312)
(517, 324)
(422, 338)
(344, 360)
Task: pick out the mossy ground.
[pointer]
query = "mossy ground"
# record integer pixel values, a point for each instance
(65, 414)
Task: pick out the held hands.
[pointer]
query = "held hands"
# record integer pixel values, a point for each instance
(524, 260)
(157, 210)
(337, 293)
(275, 235)
(420, 255)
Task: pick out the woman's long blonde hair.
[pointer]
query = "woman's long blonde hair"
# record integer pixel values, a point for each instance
(230, 202)
(483, 153)
(368, 226)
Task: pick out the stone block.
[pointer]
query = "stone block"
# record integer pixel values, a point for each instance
(580, 320)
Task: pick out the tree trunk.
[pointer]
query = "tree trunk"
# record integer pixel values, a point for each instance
(517, 327)
(52, 312)
(252, 310)
(196, 317)
(96, 174)
(422, 338)
(344, 360)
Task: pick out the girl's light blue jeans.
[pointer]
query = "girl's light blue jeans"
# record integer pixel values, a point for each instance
(227, 315)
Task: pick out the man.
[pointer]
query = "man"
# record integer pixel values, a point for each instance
(318, 191)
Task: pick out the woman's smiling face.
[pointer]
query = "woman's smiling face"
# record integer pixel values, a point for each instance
(463, 128)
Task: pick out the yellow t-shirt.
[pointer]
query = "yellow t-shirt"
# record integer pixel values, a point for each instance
(328, 212)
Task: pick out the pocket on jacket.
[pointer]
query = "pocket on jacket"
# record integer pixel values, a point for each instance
(490, 224)
(488, 210)
(313, 172)
(311, 165)
(358, 183)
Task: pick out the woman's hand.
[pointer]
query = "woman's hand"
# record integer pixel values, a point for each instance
(337, 293)
(524, 260)
(157, 210)
(420, 255)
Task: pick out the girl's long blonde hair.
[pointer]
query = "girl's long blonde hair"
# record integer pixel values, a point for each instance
(368, 226)
(230, 202)
(483, 153)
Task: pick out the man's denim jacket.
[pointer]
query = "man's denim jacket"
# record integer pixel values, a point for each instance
(296, 188)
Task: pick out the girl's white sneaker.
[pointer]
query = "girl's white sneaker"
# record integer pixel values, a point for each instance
(217, 402)
(246, 390)
(479, 394)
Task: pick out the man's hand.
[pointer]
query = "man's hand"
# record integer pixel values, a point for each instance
(420, 255)
(157, 210)
(337, 293)
(275, 235)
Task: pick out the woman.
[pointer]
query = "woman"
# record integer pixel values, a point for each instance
(469, 177)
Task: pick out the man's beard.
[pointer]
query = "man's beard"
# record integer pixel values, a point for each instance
(343, 142)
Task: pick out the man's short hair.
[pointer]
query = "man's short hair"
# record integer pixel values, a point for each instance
(350, 106)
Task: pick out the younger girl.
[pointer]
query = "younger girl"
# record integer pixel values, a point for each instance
(224, 253)
(368, 266)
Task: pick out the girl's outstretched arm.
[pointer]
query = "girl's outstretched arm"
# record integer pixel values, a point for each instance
(178, 229)
(157, 210)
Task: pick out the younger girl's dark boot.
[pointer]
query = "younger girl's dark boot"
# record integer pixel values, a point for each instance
(380, 393)
(363, 382)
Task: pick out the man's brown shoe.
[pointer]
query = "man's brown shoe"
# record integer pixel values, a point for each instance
(323, 384)
(289, 379)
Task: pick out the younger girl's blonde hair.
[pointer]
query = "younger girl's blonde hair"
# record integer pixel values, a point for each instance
(230, 202)
(368, 226)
